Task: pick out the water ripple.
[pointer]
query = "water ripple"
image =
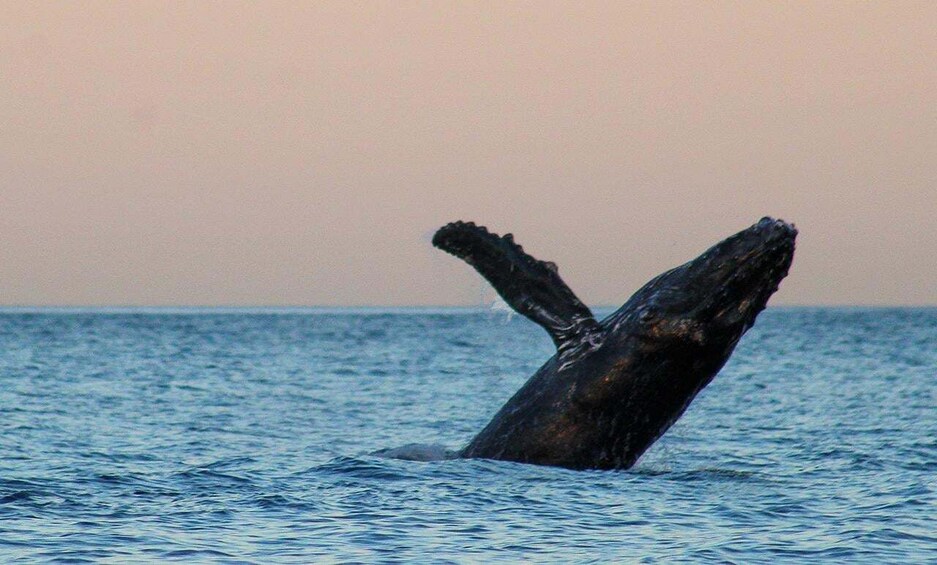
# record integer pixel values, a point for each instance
(261, 437)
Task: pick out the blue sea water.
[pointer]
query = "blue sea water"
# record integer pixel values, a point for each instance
(236, 436)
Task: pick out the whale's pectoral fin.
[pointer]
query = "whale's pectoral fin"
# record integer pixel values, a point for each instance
(533, 288)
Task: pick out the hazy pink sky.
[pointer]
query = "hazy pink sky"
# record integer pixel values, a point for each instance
(302, 153)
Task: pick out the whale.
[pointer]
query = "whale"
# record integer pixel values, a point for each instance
(615, 386)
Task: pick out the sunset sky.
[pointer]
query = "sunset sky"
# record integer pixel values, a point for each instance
(303, 153)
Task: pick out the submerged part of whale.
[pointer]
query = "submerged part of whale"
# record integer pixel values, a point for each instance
(614, 387)
(417, 452)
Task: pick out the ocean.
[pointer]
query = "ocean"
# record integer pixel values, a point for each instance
(248, 436)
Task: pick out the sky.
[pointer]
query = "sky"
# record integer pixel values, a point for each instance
(303, 153)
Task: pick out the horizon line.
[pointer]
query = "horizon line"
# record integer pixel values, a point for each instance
(353, 308)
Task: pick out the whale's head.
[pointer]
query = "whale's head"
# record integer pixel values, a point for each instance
(713, 299)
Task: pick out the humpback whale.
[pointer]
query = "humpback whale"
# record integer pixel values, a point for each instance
(614, 387)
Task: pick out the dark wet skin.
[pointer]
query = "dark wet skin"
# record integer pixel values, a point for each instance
(614, 387)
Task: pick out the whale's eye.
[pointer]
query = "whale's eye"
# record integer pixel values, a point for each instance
(647, 315)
